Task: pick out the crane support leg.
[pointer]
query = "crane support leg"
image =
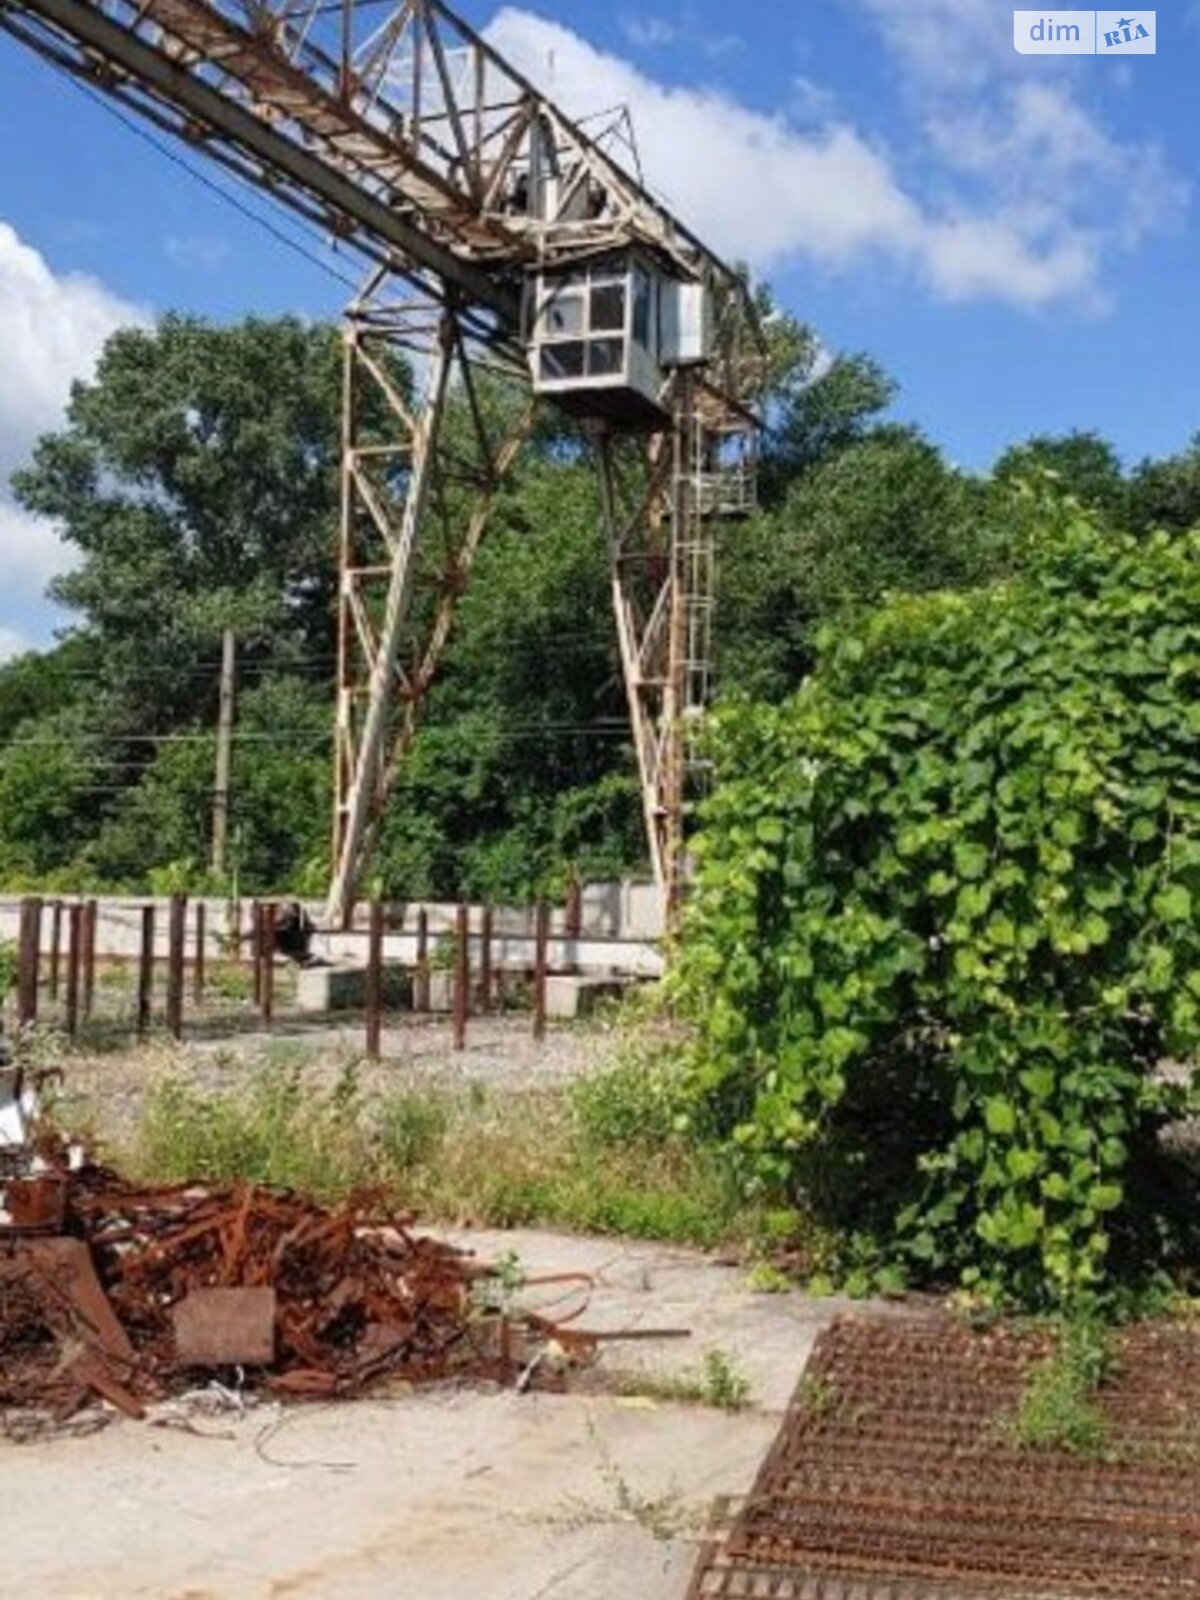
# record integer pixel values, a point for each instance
(419, 477)
(663, 573)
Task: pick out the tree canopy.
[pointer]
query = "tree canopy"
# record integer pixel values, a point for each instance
(196, 482)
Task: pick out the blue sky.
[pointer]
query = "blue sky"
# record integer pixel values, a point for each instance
(1015, 238)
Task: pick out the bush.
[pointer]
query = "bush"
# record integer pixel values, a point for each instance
(636, 1102)
(946, 925)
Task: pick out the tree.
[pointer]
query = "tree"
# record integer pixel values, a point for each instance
(1080, 465)
(817, 407)
(38, 683)
(881, 514)
(522, 768)
(1166, 493)
(197, 479)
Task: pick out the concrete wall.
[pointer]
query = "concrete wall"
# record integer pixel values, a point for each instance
(620, 926)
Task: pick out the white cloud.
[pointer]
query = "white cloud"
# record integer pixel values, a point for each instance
(648, 33)
(952, 44)
(12, 644)
(1041, 161)
(31, 552)
(760, 188)
(1024, 211)
(52, 328)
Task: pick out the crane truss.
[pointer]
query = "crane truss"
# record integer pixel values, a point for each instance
(411, 140)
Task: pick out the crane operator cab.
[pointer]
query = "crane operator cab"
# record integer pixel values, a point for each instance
(603, 332)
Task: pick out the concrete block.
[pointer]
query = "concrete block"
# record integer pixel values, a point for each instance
(344, 988)
(572, 996)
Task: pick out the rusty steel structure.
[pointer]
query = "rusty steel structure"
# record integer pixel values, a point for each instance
(514, 260)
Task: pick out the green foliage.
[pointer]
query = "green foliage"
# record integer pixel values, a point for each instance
(274, 1130)
(412, 1130)
(1080, 466)
(946, 925)
(50, 774)
(883, 514)
(508, 1161)
(1058, 1410)
(9, 965)
(637, 1101)
(725, 1385)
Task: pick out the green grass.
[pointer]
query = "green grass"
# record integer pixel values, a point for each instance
(719, 1383)
(1058, 1409)
(505, 1160)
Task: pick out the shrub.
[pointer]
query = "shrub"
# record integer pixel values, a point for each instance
(946, 925)
(636, 1101)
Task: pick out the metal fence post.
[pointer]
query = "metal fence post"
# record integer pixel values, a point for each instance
(485, 961)
(28, 958)
(266, 950)
(540, 968)
(74, 958)
(176, 927)
(374, 995)
(462, 977)
(145, 988)
(87, 999)
(56, 929)
(198, 965)
(421, 976)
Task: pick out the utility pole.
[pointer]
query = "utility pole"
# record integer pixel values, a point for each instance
(220, 821)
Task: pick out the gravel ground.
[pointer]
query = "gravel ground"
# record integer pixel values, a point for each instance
(106, 1091)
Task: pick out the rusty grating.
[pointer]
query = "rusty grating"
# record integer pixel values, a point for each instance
(892, 1477)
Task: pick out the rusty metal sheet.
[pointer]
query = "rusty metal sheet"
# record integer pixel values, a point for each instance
(36, 1204)
(225, 1328)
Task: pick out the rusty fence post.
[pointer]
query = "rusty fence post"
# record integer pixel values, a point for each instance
(266, 962)
(56, 928)
(176, 930)
(256, 947)
(485, 961)
(421, 976)
(145, 985)
(573, 919)
(87, 974)
(28, 960)
(374, 994)
(198, 963)
(462, 976)
(74, 961)
(541, 952)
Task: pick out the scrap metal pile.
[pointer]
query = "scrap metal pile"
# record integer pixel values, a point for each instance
(114, 1290)
(894, 1476)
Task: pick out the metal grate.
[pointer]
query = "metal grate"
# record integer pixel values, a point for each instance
(892, 1477)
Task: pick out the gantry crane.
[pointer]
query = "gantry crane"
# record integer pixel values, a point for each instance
(513, 260)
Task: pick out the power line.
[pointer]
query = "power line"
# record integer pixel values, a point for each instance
(218, 189)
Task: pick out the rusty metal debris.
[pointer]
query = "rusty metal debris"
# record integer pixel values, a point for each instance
(893, 1477)
(147, 1284)
(225, 1328)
